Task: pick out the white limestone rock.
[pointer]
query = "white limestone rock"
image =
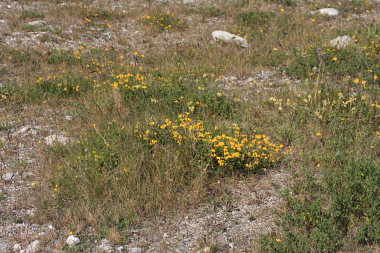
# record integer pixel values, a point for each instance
(136, 250)
(17, 247)
(37, 23)
(50, 140)
(72, 240)
(8, 176)
(229, 38)
(33, 247)
(331, 12)
(341, 42)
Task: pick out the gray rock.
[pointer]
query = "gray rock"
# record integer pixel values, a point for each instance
(331, 12)
(183, 249)
(4, 247)
(229, 38)
(104, 247)
(37, 23)
(72, 240)
(341, 42)
(8, 176)
(33, 247)
(119, 248)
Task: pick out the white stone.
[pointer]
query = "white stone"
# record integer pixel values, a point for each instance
(33, 247)
(16, 247)
(136, 250)
(50, 140)
(8, 176)
(250, 80)
(27, 174)
(24, 129)
(341, 42)
(72, 240)
(332, 12)
(30, 212)
(38, 23)
(229, 37)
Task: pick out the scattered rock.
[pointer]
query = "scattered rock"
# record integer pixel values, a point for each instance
(119, 248)
(104, 247)
(68, 117)
(17, 247)
(183, 249)
(31, 212)
(189, 1)
(136, 250)
(27, 131)
(37, 23)
(50, 140)
(4, 246)
(341, 42)
(72, 240)
(229, 37)
(33, 247)
(27, 174)
(331, 12)
(8, 176)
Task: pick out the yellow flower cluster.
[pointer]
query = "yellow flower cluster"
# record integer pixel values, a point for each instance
(128, 81)
(232, 149)
(165, 21)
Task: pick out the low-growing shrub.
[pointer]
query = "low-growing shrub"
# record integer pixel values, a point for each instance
(32, 14)
(157, 142)
(350, 215)
(210, 11)
(254, 18)
(352, 62)
(101, 14)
